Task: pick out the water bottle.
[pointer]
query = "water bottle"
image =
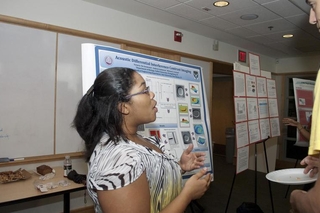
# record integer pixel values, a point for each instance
(67, 166)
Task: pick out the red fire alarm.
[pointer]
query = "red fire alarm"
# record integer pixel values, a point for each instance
(177, 36)
(242, 56)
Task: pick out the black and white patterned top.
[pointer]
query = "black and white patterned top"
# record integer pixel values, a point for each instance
(114, 166)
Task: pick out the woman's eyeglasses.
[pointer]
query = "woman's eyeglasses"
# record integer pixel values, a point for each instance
(145, 91)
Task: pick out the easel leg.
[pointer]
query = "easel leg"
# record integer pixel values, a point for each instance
(266, 158)
(234, 178)
(194, 202)
(255, 173)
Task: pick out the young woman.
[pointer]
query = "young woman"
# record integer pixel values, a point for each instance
(129, 172)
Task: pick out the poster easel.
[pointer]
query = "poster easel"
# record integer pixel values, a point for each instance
(255, 176)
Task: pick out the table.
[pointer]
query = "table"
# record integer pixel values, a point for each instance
(24, 190)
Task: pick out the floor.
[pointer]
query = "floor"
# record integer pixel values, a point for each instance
(216, 198)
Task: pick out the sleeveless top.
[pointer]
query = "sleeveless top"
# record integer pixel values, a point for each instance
(112, 166)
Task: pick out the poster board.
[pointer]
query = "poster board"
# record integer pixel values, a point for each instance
(256, 109)
(183, 116)
(303, 95)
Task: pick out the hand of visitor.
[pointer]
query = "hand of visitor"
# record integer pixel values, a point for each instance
(312, 165)
(291, 122)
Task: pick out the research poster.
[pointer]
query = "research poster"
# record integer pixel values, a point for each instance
(303, 95)
(256, 110)
(183, 117)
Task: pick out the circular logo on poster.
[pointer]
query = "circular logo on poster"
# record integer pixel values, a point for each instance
(108, 60)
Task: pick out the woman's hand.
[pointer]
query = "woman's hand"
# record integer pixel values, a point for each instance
(312, 165)
(191, 160)
(197, 184)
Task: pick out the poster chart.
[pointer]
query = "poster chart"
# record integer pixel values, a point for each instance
(183, 115)
(303, 95)
(256, 112)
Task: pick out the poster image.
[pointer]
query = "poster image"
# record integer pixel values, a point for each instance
(183, 116)
(303, 94)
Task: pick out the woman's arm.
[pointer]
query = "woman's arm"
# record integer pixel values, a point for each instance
(290, 122)
(305, 133)
(194, 188)
(135, 197)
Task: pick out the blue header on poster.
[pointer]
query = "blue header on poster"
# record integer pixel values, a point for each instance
(112, 57)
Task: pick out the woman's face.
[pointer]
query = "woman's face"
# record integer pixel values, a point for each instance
(142, 106)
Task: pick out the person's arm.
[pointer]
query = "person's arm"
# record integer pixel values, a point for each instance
(194, 188)
(305, 133)
(135, 197)
(300, 202)
(290, 122)
(307, 202)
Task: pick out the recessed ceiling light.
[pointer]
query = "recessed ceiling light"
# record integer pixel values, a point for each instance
(287, 36)
(249, 17)
(221, 3)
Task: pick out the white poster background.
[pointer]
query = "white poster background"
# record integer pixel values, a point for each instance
(252, 104)
(242, 159)
(254, 64)
(273, 107)
(242, 134)
(239, 84)
(240, 106)
(241, 68)
(263, 108)
(262, 87)
(275, 128)
(271, 88)
(265, 128)
(183, 115)
(254, 131)
(251, 85)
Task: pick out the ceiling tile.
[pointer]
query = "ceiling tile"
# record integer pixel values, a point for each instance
(260, 39)
(290, 50)
(263, 13)
(264, 1)
(243, 32)
(309, 49)
(297, 34)
(233, 6)
(163, 4)
(301, 42)
(283, 8)
(218, 23)
(188, 12)
(273, 26)
(302, 5)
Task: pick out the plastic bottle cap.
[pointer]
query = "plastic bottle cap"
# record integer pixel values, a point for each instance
(67, 157)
